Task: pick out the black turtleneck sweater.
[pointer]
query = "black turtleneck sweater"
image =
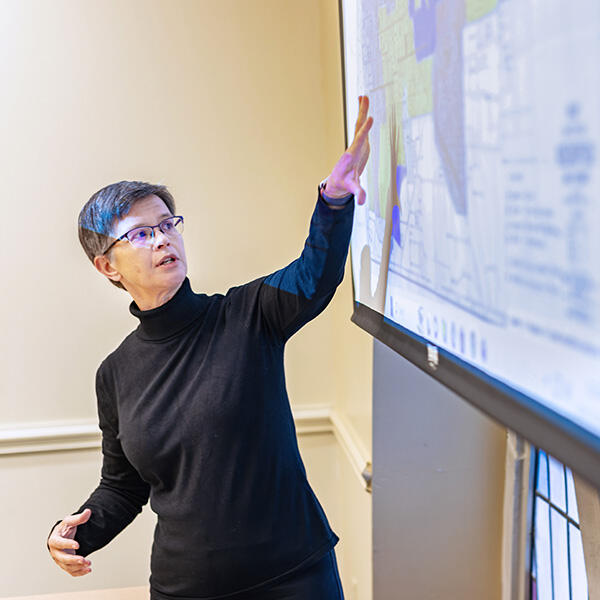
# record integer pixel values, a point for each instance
(195, 415)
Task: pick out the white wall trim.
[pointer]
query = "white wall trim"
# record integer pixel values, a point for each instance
(315, 419)
(49, 437)
(353, 448)
(82, 435)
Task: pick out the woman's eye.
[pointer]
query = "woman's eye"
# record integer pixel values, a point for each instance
(139, 235)
(168, 225)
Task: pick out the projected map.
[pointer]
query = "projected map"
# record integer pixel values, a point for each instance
(480, 232)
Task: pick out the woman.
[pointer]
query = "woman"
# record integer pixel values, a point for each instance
(193, 408)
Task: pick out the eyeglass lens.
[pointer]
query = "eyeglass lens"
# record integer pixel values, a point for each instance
(141, 236)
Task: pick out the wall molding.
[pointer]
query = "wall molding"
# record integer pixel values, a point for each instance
(84, 435)
(353, 448)
(49, 437)
(312, 420)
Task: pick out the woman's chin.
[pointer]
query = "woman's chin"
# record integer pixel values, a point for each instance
(173, 277)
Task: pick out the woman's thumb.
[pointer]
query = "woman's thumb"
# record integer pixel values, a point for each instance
(85, 515)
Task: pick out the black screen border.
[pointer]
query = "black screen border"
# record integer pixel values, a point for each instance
(567, 441)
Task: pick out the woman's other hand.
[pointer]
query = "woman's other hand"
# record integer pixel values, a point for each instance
(63, 546)
(344, 177)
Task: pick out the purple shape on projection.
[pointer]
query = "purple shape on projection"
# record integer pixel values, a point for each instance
(423, 19)
(396, 224)
(400, 175)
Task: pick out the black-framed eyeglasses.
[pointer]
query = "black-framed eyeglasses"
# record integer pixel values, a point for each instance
(142, 237)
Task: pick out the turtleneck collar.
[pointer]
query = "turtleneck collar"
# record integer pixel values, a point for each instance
(171, 317)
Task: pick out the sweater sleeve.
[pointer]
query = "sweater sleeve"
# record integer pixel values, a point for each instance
(294, 295)
(121, 493)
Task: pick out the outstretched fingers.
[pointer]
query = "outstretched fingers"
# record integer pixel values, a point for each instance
(361, 135)
(346, 173)
(363, 109)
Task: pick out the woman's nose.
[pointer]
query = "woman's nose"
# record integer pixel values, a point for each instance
(160, 238)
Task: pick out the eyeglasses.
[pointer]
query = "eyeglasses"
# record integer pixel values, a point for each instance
(142, 237)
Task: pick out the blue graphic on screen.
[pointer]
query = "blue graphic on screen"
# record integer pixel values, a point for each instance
(423, 19)
(480, 230)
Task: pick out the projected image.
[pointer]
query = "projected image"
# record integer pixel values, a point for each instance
(480, 231)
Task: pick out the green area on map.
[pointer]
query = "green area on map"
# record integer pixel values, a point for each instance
(479, 8)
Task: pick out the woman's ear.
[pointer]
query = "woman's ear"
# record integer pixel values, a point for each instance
(104, 266)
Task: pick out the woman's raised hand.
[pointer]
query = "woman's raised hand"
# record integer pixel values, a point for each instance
(344, 177)
(63, 545)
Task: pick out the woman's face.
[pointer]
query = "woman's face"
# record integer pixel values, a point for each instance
(138, 269)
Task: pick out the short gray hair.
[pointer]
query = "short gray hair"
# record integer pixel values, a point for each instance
(102, 211)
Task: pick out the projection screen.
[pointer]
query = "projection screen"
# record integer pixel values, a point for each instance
(477, 253)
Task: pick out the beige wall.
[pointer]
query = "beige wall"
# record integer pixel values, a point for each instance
(228, 103)
(63, 478)
(353, 355)
(41, 487)
(236, 106)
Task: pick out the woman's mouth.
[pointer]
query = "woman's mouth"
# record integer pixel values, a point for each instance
(167, 261)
